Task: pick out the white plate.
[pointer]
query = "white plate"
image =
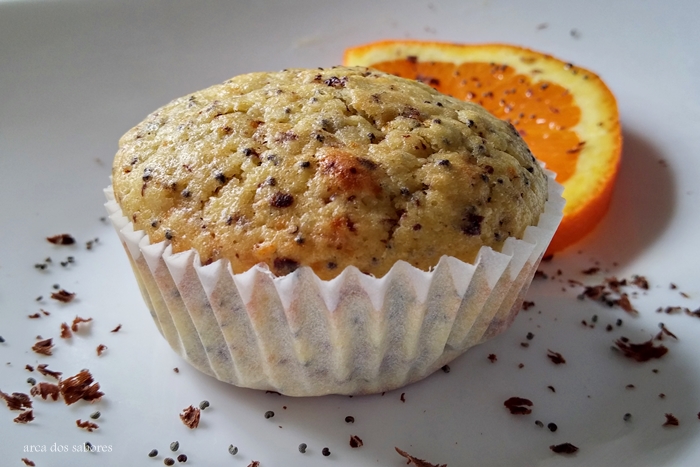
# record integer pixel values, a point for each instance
(74, 76)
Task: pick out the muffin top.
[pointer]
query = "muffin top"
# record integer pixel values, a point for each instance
(327, 168)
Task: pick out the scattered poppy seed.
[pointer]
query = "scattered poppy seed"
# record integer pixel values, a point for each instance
(88, 446)
(153, 453)
(31, 381)
(529, 336)
(446, 368)
(176, 370)
(302, 448)
(326, 452)
(269, 414)
(233, 450)
(349, 419)
(619, 322)
(552, 427)
(662, 395)
(627, 417)
(203, 405)
(174, 446)
(539, 423)
(95, 415)
(182, 458)
(594, 318)
(168, 461)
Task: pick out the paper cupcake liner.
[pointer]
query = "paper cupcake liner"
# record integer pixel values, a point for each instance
(355, 334)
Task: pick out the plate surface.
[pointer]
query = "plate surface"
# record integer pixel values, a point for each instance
(76, 75)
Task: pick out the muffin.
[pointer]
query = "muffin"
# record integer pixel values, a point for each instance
(332, 230)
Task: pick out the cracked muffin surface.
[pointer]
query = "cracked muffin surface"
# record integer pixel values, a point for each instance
(327, 168)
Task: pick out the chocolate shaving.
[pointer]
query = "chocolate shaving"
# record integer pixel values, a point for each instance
(417, 462)
(641, 282)
(28, 462)
(101, 348)
(564, 448)
(671, 420)
(24, 417)
(624, 303)
(518, 406)
(527, 305)
(63, 296)
(119, 326)
(695, 313)
(61, 239)
(28, 367)
(671, 310)
(641, 352)
(34, 316)
(355, 441)
(403, 397)
(594, 292)
(17, 401)
(665, 331)
(43, 369)
(43, 347)
(615, 284)
(254, 464)
(65, 331)
(190, 417)
(540, 275)
(78, 320)
(492, 358)
(555, 357)
(88, 425)
(80, 386)
(591, 271)
(45, 390)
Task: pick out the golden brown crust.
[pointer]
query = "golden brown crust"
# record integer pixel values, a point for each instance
(327, 168)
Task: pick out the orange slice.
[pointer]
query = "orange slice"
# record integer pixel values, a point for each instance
(566, 114)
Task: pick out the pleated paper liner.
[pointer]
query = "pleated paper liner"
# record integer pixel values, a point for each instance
(355, 334)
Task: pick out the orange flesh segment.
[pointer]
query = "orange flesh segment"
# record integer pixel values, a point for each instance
(542, 112)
